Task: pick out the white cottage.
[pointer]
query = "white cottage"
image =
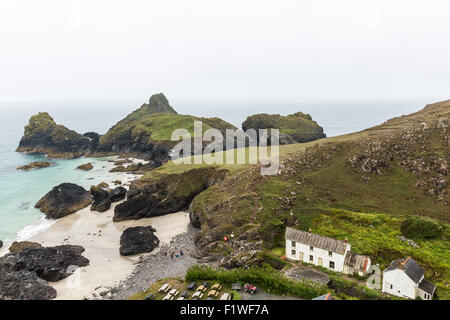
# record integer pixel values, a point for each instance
(356, 263)
(405, 278)
(316, 249)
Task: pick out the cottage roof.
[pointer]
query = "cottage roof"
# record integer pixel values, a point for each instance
(427, 286)
(409, 266)
(316, 240)
(358, 262)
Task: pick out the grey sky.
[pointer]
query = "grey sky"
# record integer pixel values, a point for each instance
(207, 50)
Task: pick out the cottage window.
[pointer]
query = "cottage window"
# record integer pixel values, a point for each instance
(331, 264)
(311, 258)
(293, 244)
(311, 248)
(330, 253)
(392, 287)
(293, 252)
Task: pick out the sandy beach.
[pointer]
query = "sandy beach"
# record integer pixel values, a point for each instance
(100, 236)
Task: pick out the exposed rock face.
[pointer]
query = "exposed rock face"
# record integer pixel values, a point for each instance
(43, 135)
(24, 274)
(117, 194)
(1, 243)
(85, 166)
(167, 194)
(103, 185)
(64, 199)
(297, 127)
(35, 165)
(22, 245)
(138, 240)
(137, 167)
(101, 199)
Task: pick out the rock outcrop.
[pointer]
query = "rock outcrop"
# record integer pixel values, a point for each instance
(43, 135)
(166, 194)
(117, 194)
(136, 240)
(101, 199)
(297, 127)
(64, 199)
(24, 273)
(35, 165)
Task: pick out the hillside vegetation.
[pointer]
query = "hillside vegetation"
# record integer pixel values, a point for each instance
(361, 186)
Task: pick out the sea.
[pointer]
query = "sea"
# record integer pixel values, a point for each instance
(20, 190)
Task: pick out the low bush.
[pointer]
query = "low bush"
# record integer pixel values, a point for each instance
(418, 227)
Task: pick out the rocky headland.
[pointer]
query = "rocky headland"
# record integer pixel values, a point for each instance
(297, 127)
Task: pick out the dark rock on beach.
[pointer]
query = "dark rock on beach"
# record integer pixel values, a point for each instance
(51, 263)
(166, 194)
(138, 240)
(24, 274)
(101, 199)
(1, 243)
(117, 194)
(23, 285)
(63, 200)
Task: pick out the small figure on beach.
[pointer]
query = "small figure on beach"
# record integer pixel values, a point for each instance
(181, 252)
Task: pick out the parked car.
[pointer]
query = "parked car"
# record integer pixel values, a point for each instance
(191, 286)
(151, 296)
(184, 294)
(205, 284)
(249, 288)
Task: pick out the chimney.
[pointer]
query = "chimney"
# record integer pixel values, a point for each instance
(309, 232)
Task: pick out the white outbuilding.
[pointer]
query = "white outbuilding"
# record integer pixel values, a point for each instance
(405, 278)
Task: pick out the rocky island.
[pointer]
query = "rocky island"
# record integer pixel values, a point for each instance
(297, 127)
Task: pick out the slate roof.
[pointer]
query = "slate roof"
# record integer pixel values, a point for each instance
(427, 286)
(409, 266)
(316, 240)
(358, 262)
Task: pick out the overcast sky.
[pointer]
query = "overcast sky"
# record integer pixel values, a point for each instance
(230, 50)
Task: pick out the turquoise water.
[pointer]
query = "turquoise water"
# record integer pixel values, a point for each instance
(20, 190)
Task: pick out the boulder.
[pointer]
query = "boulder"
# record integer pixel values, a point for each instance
(51, 263)
(24, 274)
(117, 194)
(1, 243)
(64, 199)
(20, 246)
(136, 240)
(85, 167)
(101, 199)
(35, 165)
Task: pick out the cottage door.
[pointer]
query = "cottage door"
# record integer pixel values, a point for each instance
(300, 256)
(320, 262)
